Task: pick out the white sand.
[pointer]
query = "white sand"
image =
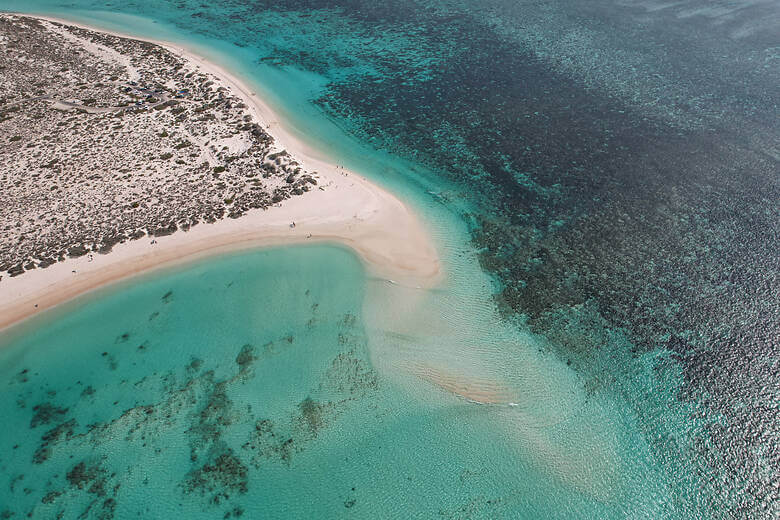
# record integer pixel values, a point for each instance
(351, 211)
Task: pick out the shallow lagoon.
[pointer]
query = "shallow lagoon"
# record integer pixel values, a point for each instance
(245, 383)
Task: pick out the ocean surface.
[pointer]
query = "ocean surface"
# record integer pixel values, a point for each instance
(601, 179)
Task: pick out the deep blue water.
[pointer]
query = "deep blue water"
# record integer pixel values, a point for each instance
(613, 166)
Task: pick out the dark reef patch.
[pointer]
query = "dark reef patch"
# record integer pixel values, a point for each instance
(246, 357)
(94, 479)
(80, 475)
(61, 432)
(209, 422)
(349, 374)
(223, 476)
(311, 413)
(265, 443)
(44, 413)
(22, 376)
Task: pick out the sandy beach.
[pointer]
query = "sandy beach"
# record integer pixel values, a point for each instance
(345, 209)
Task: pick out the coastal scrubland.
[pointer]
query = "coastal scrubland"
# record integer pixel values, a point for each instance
(105, 139)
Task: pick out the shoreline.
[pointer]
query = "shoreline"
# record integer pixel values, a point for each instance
(350, 211)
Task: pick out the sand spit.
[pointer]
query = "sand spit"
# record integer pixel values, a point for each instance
(341, 207)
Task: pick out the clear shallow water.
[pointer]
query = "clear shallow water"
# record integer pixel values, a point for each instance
(245, 384)
(614, 175)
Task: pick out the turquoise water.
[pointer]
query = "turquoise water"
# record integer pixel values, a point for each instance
(610, 268)
(244, 384)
